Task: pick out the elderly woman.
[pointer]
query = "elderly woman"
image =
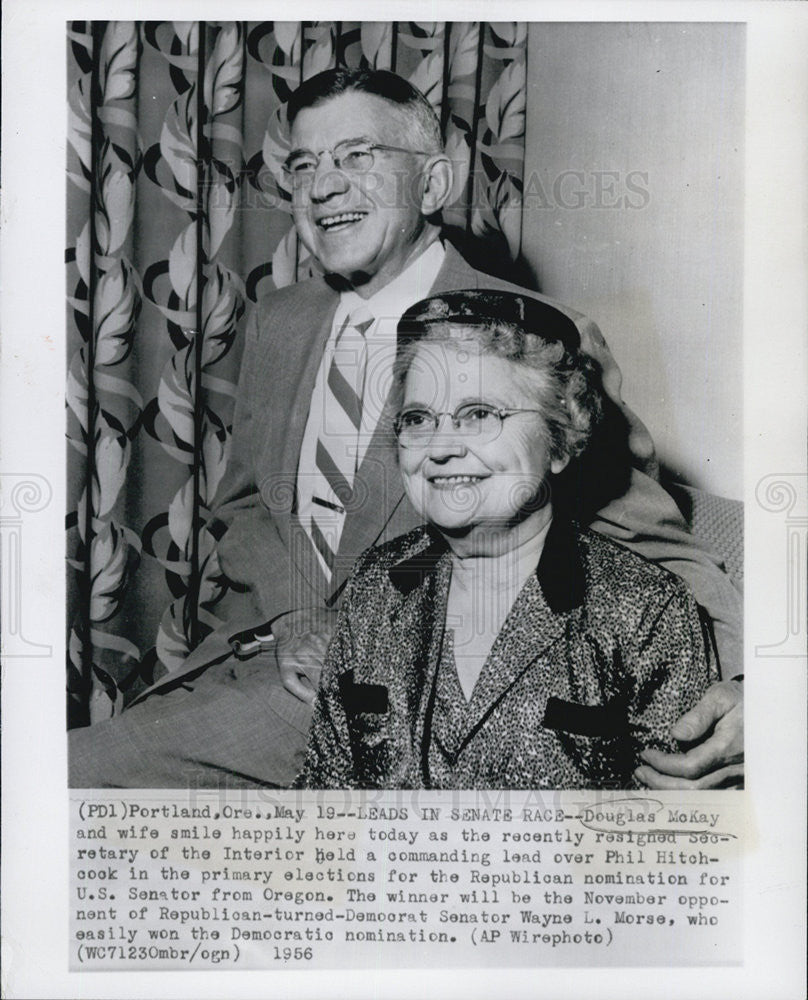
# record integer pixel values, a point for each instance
(500, 646)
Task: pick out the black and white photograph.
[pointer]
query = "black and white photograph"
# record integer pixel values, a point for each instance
(421, 579)
(272, 317)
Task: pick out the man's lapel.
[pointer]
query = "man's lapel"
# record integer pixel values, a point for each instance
(455, 274)
(295, 372)
(307, 328)
(378, 492)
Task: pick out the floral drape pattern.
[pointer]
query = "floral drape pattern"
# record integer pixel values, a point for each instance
(178, 220)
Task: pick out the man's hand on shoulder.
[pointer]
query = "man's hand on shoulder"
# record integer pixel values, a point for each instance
(715, 726)
(301, 642)
(300, 662)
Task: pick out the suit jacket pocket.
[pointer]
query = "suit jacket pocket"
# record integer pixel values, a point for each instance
(369, 728)
(368, 716)
(595, 739)
(608, 720)
(362, 699)
(371, 744)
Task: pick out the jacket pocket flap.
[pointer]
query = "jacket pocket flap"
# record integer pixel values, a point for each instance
(359, 698)
(610, 719)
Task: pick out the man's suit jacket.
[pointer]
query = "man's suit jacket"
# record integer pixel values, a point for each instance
(599, 655)
(269, 557)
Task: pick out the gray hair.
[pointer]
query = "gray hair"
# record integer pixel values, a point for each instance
(382, 83)
(542, 343)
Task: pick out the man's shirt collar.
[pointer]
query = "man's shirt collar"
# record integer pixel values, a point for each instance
(414, 283)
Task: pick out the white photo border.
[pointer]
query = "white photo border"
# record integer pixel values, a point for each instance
(35, 825)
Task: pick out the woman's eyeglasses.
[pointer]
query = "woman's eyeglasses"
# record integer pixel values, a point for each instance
(481, 421)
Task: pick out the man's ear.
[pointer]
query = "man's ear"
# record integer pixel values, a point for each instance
(437, 187)
(559, 464)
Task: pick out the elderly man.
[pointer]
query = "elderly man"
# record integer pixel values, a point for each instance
(312, 479)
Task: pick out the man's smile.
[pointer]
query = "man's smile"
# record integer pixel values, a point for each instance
(340, 221)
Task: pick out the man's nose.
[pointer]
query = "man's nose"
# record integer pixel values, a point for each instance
(328, 181)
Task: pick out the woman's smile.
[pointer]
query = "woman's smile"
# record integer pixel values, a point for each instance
(465, 482)
(445, 480)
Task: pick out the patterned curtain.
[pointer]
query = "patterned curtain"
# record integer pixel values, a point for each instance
(177, 220)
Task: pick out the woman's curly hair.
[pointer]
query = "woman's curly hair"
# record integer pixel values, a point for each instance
(542, 343)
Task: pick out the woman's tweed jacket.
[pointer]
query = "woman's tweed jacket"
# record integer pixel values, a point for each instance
(599, 655)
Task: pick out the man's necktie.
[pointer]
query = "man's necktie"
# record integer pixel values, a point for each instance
(336, 458)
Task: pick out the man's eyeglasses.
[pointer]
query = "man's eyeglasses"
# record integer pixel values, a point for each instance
(416, 427)
(351, 156)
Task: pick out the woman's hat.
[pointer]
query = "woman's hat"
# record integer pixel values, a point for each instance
(481, 307)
